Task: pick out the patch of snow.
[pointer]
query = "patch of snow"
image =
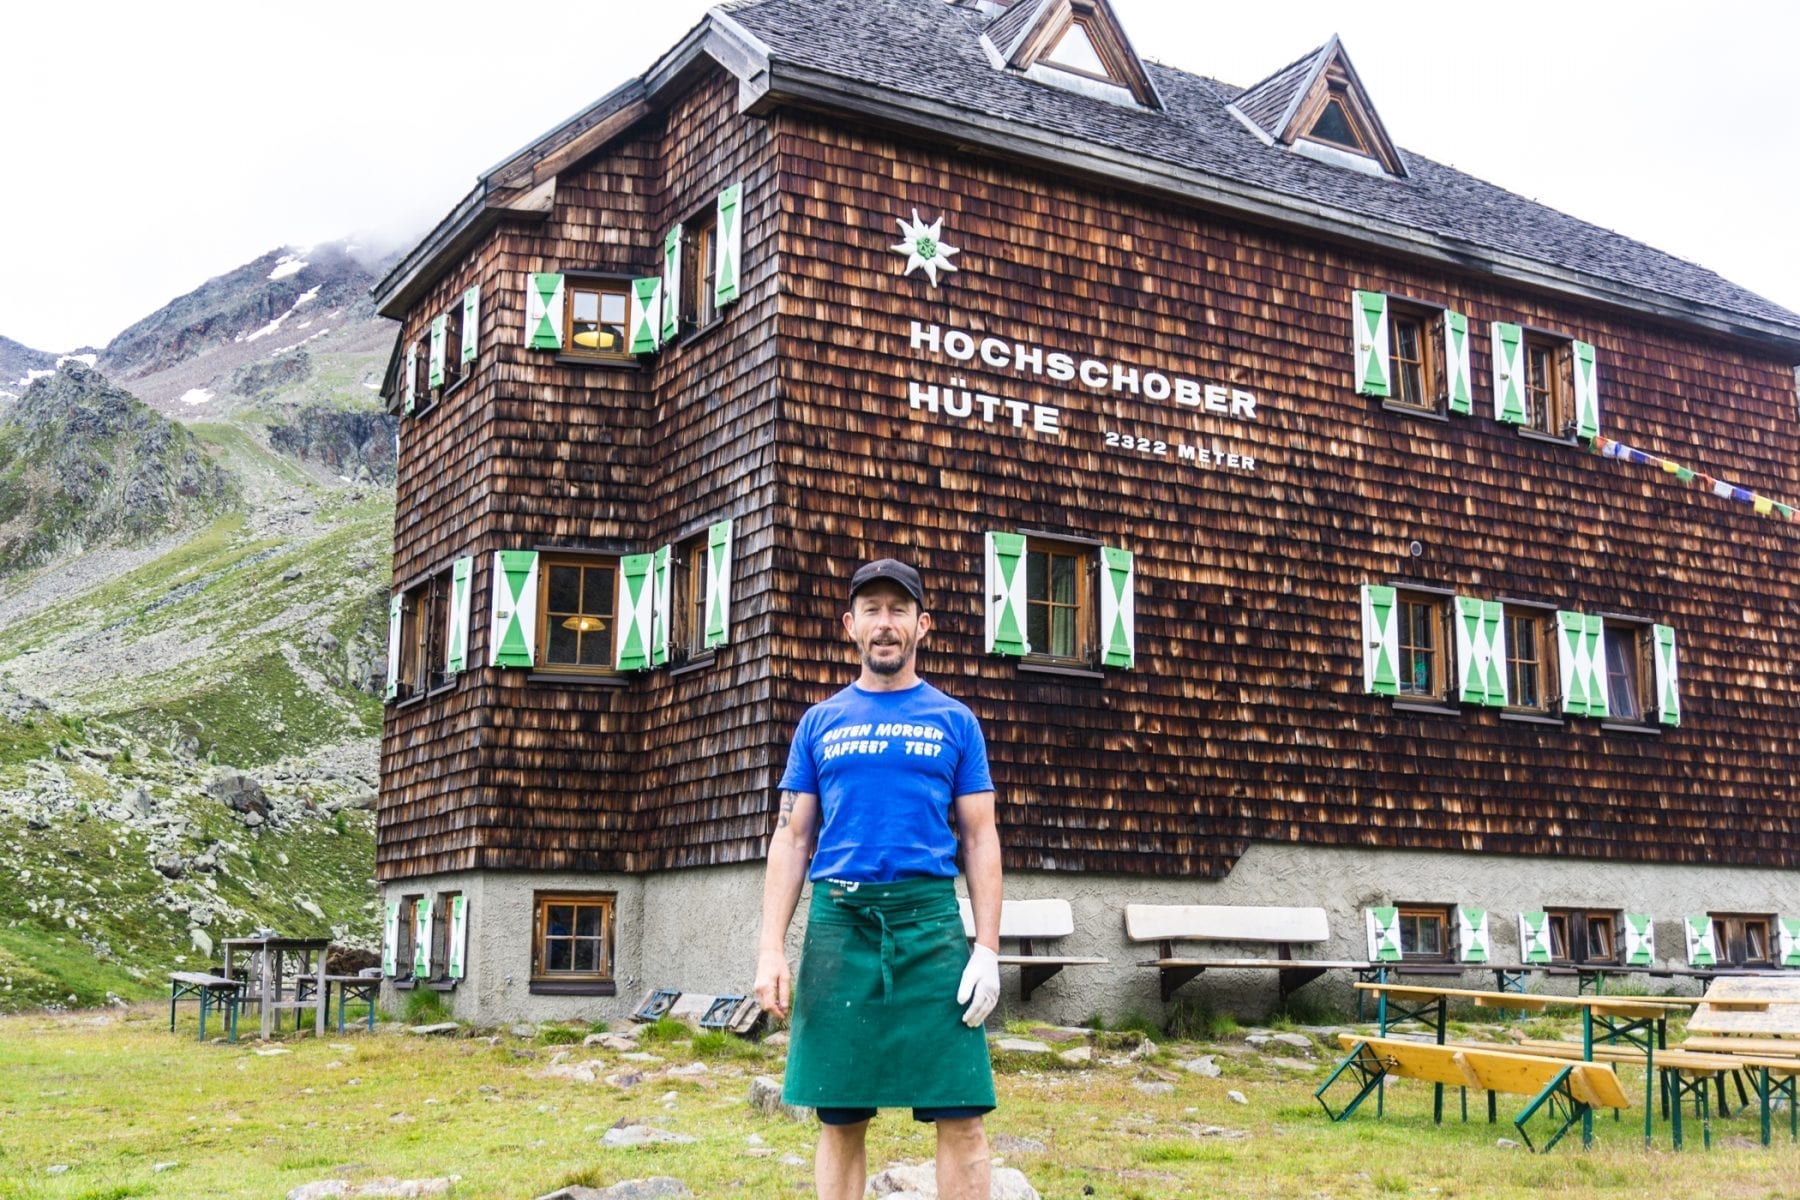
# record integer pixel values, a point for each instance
(280, 350)
(306, 324)
(373, 387)
(196, 396)
(33, 376)
(286, 265)
(311, 294)
(85, 359)
(271, 327)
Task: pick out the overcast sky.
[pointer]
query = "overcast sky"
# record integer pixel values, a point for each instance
(147, 147)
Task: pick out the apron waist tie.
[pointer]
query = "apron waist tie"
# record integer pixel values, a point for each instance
(887, 944)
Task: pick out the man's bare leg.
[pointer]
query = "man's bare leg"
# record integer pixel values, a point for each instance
(840, 1168)
(962, 1160)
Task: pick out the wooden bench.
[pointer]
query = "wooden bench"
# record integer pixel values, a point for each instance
(1570, 1089)
(1029, 922)
(213, 992)
(1283, 928)
(1754, 1020)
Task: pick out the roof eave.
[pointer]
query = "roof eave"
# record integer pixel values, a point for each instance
(807, 87)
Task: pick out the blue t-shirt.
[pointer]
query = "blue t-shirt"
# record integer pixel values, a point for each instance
(885, 767)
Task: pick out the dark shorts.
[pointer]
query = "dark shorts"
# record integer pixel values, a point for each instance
(850, 1116)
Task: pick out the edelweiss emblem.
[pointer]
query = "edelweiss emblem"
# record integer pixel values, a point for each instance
(924, 247)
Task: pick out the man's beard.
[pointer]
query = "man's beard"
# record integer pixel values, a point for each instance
(883, 667)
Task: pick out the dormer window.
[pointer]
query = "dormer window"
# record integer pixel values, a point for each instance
(1076, 45)
(1317, 107)
(1334, 126)
(1074, 51)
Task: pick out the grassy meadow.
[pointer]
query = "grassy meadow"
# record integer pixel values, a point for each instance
(113, 1095)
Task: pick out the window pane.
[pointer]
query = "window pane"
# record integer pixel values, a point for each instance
(597, 592)
(559, 920)
(565, 589)
(1037, 628)
(1621, 673)
(585, 306)
(1062, 579)
(1037, 575)
(587, 955)
(1756, 941)
(595, 649)
(565, 644)
(1062, 639)
(612, 309)
(1333, 125)
(588, 921)
(1076, 51)
(557, 955)
(1559, 936)
(1600, 939)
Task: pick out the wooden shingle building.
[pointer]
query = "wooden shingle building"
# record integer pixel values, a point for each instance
(1309, 523)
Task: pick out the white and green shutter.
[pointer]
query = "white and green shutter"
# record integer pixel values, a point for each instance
(1384, 935)
(1581, 653)
(396, 606)
(410, 384)
(1534, 939)
(1702, 949)
(1668, 675)
(543, 312)
(718, 583)
(1473, 944)
(1787, 934)
(459, 935)
(390, 940)
(1481, 651)
(1587, 392)
(422, 939)
(1005, 562)
(1371, 314)
(1509, 373)
(671, 284)
(730, 236)
(637, 612)
(1456, 362)
(471, 323)
(659, 599)
(1640, 940)
(440, 333)
(1118, 608)
(456, 642)
(1381, 640)
(646, 315)
(512, 620)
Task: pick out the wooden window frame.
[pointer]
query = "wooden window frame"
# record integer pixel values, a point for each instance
(1643, 687)
(424, 635)
(453, 363)
(603, 284)
(587, 562)
(1340, 93)
(687, 599)
(440, 937)
(1086, 617)
(1547, 681)
(1433, 382)
(698, 303)
(425, 397)
(1441, 664)
(406, 950)
(1549, 394)
(1100, 45)
(1574, 929)
(1439, 913)
(600, 982)
(1731, 938)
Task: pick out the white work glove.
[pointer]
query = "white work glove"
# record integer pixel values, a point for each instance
(980, 988)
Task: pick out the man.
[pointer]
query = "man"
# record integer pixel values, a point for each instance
(883, 780)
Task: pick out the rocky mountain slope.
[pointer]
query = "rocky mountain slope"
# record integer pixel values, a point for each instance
(17, 364)
(192, 634)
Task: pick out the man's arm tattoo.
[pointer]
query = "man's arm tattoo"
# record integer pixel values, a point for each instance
(788, 800)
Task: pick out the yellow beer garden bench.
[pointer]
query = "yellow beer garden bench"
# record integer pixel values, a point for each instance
(1569, 1091)
(1283, 928)
(1030, 923)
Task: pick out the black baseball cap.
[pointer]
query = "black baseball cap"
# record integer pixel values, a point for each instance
(892, 570)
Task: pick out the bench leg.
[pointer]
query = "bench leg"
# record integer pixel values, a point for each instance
(1174, 977)
(1365, 1068)
(1562, 1102)
(1030, 977)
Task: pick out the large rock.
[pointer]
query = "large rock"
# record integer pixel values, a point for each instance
(765, 1097)
(239, 792)
(629, 1189)
(904, 1181)
(374, 1189)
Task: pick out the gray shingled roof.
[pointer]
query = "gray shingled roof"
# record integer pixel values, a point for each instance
(1009, 25)
(1267, 103)
(931, 49)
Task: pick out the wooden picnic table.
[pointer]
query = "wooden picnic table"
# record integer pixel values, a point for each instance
(213, 992)
(272, 963)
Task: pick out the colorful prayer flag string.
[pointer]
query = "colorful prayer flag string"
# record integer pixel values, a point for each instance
(1608, 448)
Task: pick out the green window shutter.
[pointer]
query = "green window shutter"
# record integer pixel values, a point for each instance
(1381, 640)
(395, 607)
(1593, 635)
(471, 323)
(1668, 675)
(1005, 558)
(1587, 392)
(1509, 373)
(1493, 628)
(411, 383)
(1702, 951)
(456, 642)
(1384, 935)
(1788, 934)
(1534, 938)
(718, 584)
(730, 235)
(1118, 608)
(1456, 362)
(671, 284)
(512, 620)
(1371, 312)
(1572, 648)
(422, 940)
(646, 315)
(659, 598)
(1471, 652)
(440, 333)
(390, 940)
(459, 935)
(1640, 940)
(637, 612)
(1473, 944)
(543, 312)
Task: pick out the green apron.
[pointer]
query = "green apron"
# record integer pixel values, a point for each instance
(876, 1021)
